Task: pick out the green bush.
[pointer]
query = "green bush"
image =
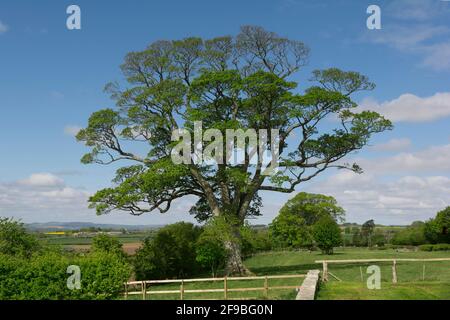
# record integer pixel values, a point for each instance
(441, 247)
(211, 253)
(102, 276)
(170, 254)
(15, 240)
(327, 234)
(106, 243)
(426, 247)
(435, 247)
(44, 276)
(412, 235)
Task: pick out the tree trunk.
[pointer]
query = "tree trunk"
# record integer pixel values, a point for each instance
(234, 265)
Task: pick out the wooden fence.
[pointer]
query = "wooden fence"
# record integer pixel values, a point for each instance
(145, 286)
(325, 263)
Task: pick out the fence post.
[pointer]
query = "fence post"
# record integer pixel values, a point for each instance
(325, 271)
(225, 288)
(394, 272)
(361, 273)
(266, 287)
(126, 291)
(144, 290)
(423, 273)
(182, 290)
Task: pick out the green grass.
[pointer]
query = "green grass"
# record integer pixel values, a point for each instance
(410, 286)
(388, 291)
(288, 262)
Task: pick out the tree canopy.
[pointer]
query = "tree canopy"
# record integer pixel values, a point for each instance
(242, 82)
(292, 226)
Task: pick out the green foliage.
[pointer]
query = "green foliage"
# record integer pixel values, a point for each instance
(210, 252)
(102, 276)
(435, 247)
(226, 82)
(367, 230)
(327, 234)
(311, 207)
(378, 238)
(292, 227)
(170, 254)
(290, 230)
(412, 235)
(15, 240)
(437, 230)
(106, 243)
(43, 276)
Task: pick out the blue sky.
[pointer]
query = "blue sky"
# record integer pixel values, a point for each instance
(52, 79)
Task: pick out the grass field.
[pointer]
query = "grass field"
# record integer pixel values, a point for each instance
(402, 291)
(71, 240)
(410, 283)
(131, 242)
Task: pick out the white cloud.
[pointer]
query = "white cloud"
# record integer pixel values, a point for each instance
(394, 189)
(45, 197)
(438, 56)
(434, 159)
(411, 108)
(72, 130)
(398, 201)
(419, 10)
(417, 28)
(3, 27)
(42, 180)
(407, 37)
(393, 145)
(41, 195)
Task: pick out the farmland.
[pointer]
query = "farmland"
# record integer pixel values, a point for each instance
(131, 241)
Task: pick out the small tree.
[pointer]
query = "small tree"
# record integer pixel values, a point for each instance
(171, 253)
(291, 227)
(106, 243)
(367, 230)
(327, 234)
(211, 253)
(437, 230)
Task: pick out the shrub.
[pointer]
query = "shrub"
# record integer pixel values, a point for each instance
(44, 276)
(435, 247)
(14, 239)
(211, 253)
(171, 253)
(413, 235)
(327, 234)
(426, 247)
(106, 243)
(102, 276)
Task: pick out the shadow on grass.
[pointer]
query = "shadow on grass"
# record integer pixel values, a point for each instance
(279, 270)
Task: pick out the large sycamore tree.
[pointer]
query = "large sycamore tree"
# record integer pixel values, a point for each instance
(227, 82)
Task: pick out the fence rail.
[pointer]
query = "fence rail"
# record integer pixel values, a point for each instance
(146, 285)
(393, 260)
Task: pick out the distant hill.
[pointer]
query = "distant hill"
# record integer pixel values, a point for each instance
(52, 226)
